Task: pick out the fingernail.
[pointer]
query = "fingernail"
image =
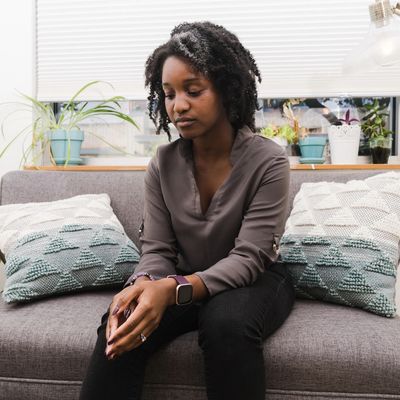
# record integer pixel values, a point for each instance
(116, 309)
(110, 341)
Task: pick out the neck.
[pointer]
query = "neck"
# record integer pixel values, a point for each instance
(214, 147)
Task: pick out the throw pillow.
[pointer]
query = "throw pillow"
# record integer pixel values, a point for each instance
(341, 242)
(63, 246)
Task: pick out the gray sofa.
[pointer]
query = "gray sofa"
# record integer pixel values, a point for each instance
(323, 351)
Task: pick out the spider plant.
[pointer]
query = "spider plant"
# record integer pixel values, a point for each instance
(74, 112)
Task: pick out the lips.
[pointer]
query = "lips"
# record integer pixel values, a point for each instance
(184, 122)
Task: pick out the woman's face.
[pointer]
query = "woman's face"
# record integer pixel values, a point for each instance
(192, 103)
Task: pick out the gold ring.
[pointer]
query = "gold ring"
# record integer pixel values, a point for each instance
(143, 338)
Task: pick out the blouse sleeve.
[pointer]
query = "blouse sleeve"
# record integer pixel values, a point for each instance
(158, 241)
(256, 244)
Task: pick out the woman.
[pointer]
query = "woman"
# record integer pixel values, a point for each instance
(215, 204)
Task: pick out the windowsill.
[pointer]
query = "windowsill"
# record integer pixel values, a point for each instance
(343, 166)
(143, 168)
(140, 164)
(86, 168)
(116, 161)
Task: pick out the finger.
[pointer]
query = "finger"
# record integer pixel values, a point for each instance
(134, 339)
(129, 325)
(110, 308)
(128, 311)
(123, 316)
(140, 335)
(112, 324)
(118, 311)
(108, 329)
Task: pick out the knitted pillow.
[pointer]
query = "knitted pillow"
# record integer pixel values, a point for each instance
(63, 246)
(341, 242)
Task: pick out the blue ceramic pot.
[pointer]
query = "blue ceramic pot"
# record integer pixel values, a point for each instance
(66, 146)
(312, 149)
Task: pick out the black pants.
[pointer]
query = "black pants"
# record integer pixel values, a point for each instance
(232, 326)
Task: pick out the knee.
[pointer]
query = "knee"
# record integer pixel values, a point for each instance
(229, 331)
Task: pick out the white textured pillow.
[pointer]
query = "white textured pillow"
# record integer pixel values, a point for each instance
(18, 220)
(341, 242)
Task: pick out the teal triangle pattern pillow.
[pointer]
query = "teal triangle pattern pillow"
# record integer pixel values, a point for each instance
(64, 246)
(341, 242)
(65, 260)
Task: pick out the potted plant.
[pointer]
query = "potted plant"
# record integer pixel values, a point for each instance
(59, 133)
(344, 140)
(283, 135)
(374, 128)
(311, 146)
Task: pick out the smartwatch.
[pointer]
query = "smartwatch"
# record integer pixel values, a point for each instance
(184, 290)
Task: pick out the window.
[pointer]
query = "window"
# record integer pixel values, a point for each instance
(299, 48)
(315, 115)
(108, 138)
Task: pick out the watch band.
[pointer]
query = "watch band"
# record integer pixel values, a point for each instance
(184, 290)
(181, 280)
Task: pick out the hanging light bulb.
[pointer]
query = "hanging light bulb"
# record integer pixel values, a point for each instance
(381, 46)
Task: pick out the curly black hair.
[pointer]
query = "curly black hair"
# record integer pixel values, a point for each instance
(216, 53)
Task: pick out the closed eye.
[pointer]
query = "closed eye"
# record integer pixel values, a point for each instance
(194, 94)
(190, 93)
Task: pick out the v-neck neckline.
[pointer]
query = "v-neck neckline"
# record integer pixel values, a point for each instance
(217, 194)
(237, 149)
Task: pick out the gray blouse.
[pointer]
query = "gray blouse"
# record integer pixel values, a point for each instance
(238, 237)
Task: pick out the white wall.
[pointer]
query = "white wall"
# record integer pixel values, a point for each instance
(16, 72)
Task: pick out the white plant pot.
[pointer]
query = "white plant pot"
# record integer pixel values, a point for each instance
(280, 140)
(344, 141)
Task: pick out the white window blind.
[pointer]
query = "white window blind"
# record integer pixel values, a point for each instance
(299, 45)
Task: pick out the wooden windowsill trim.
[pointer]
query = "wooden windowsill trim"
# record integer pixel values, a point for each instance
(143, 168)
(343, 166)
(88, 168)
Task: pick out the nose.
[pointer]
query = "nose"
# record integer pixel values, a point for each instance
(180, 104)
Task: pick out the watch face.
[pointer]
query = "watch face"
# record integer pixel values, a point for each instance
(184, 294)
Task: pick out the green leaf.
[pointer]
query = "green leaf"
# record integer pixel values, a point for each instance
(72, 114)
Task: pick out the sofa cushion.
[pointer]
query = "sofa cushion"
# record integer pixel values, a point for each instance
(51, 342)
(341, 242)
(63, 246)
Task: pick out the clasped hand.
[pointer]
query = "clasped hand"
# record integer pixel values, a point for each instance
(135, 310)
